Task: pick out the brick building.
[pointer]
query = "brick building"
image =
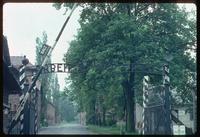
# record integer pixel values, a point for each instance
(30, 70)
(10, 88)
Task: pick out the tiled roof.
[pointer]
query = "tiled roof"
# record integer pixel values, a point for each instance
(9, 80)
(16, 61)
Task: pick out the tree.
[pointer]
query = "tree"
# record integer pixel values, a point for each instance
(55, 88)
(45, 79)
(67, 109)
(114, 39)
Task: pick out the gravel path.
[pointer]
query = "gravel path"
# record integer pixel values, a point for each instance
(66, 129)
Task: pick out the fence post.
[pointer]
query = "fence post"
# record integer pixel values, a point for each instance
(27, 118)
(167, 100)
(35, 107)
(145, 102)
(22, 82)
(22, 79)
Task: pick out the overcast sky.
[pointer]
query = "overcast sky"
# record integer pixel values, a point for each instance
(23, 22)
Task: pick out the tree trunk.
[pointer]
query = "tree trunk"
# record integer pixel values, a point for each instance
(104, 116)
(99, 119)
(130, 111)
(129, 89)
(130, 107)
(125, 106)
(91, 114)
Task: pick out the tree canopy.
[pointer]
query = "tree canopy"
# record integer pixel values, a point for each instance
(49, 82)
(119, 43)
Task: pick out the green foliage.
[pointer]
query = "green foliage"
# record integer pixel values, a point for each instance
(55, 87)
(114, 35)
(67, 109)
(44, 78)
(104, 130)
(49, 82)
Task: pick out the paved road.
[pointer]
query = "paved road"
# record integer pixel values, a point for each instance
(65, 129)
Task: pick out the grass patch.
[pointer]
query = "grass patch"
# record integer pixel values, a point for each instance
(104, 130)
(114, 130)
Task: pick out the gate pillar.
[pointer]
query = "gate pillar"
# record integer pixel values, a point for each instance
(145, 102)
(167, 100)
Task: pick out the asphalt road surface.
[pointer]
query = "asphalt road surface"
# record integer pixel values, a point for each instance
(66, 129)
